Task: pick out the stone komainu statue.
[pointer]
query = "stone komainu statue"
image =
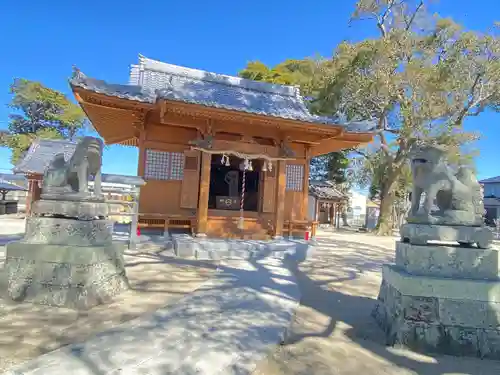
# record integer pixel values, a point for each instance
(457, 195)
(72, 177)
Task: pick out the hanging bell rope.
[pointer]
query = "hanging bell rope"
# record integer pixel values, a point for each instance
(241, 221)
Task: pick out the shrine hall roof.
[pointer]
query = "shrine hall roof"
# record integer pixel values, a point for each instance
(6, 185)
(151, 80)
(491, 180)
(325, 190)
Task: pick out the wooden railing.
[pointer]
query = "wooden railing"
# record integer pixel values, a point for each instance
(165, 221)
(302, 226)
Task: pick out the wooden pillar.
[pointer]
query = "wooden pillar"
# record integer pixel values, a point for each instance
(34, 192)
(280, 199)
(305, 186)
(202, 213)
(338, 209)
(29, 197)
(133, 240)
(316, 209)
(37, 190)
(141, 166)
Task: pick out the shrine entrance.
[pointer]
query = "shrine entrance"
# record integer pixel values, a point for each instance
(228, 178)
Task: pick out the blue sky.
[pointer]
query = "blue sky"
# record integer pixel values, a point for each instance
(42, 40)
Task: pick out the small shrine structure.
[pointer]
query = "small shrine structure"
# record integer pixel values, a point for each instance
(8, 206)
(325, 202)
(222, 156)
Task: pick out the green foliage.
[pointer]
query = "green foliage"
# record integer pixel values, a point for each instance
(39, 111)
(19, 143)
(420, 79)
(302, 73)
(331, 167)
(289, 72)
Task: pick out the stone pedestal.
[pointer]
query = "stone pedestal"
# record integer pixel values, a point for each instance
(421, 234)
(66, 258)
(443, 299)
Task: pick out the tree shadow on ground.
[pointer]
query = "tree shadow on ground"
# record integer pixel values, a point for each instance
(333, 326)
(238, 315)
(338, 287)
(29, 330)
(241, 309)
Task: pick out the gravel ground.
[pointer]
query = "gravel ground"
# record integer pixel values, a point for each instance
(156, 280)
(333, 332)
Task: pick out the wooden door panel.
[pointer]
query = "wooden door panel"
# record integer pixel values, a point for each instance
(191, 179)
(269, 194)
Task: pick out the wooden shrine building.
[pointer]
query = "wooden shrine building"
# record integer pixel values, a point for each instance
(223, 156)
(326, 202)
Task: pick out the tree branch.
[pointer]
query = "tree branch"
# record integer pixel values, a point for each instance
(361, 153)
(383, 18)
(471, 103)
(412, 19)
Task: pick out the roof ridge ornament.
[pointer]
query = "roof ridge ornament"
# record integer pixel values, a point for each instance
(77, 73)
(223, 79)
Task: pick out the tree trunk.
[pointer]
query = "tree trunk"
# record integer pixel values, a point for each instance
(385, 219)
(344, 216)
(387, 198)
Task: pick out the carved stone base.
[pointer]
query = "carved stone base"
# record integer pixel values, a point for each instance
(57, 231)
(420, 234)
(64, 276)
(448, 316)
(81, 210)
(448, 261)
(451, 217)
(71, 196)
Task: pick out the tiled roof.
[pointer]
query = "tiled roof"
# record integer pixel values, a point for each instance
(12, 177)
(490, 180)
(15, 179)
(151, 80)
(40, 154)
(42, 151)
(325, 190)
(5, 185)
(491, 201)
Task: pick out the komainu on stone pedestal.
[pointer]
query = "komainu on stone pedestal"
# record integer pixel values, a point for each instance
(457, 195)
(69, 180)
(443, 293)
(67, 257)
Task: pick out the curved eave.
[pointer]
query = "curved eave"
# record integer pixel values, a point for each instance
(118, 119)
(83, 95)
(133, 103)
(115, 119)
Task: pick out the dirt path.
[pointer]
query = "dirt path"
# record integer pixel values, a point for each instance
(333, 332)
(27, 330)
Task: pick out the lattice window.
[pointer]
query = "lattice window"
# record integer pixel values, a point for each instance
(294, 177)
(176, 166)
(157, 165)
(163, 165)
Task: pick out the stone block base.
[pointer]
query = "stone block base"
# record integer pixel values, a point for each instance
(421, 234)
(63, 276)
(73, 209)
(440, 315)
(448, 261)
(186, 246)
(63, 231)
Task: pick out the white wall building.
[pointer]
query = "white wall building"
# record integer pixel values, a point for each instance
(356, 211)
